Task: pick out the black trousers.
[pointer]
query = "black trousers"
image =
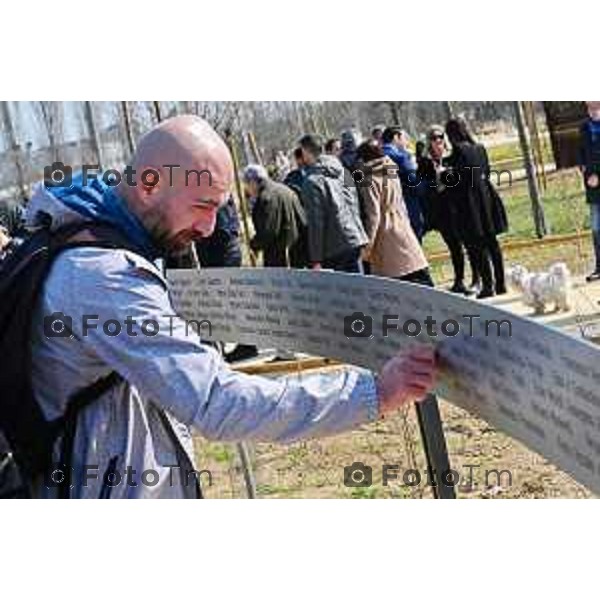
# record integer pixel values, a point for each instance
(348, 261)
(489, 262)
(421, 277)
(455, 246)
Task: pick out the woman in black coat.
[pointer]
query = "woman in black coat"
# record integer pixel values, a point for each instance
(438, 206)
(480, 212)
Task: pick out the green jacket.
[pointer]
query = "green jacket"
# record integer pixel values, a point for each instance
(278, 219)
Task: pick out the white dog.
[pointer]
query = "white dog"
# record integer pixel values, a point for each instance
(540, 289)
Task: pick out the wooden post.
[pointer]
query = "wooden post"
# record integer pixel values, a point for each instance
(240, 195)
(537, 144)
(14, 147)
(157, 111)
(249, 479)
(254, 147)
(434, 446)
(534, 192)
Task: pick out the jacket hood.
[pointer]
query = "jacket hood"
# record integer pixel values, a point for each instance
(77, 203)
(328, 166)
(380, 165)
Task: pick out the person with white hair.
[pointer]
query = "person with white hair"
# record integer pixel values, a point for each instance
(277, 215)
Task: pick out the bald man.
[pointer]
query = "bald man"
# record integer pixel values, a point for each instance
(157, 385)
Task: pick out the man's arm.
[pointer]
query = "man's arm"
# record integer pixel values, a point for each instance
(314, 204)
(371, 203)
(192, 382)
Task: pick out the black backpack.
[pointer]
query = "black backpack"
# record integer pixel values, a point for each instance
(26, 437)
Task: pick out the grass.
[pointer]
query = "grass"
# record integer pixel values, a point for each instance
(563, 202)
(511, 151)
(314, 469)
(565, 211)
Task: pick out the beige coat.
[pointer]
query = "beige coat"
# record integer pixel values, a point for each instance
(393, 248)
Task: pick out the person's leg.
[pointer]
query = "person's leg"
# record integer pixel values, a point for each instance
(595, 225)
(475, 275)
(495, 254)
(457, 257)
(422, 277)
(415, 215)
(482, 262)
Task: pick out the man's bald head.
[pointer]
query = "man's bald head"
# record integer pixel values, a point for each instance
(188, 141)
(195, 175)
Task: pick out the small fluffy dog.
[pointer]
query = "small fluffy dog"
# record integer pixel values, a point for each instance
(540, 289)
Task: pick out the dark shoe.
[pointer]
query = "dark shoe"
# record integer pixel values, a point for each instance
(459, 288)
(485, 294)
(500, 289)
(241, 352)
(593, 276)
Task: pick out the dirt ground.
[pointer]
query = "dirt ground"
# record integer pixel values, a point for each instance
(481, 455)
(315, 469)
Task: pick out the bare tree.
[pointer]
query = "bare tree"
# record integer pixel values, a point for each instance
(52, 119)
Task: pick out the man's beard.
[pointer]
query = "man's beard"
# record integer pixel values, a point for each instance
(168, 243)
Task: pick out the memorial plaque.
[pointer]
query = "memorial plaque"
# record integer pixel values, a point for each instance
(535, 383)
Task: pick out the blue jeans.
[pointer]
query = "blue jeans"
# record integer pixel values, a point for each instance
(415, 214)
(595, 224)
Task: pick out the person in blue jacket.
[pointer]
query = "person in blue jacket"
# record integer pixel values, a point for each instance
(395, 146)
(590, 169)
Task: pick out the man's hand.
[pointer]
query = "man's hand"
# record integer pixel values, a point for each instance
(593, 181)
(405, 378)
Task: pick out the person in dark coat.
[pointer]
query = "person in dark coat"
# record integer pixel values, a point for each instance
(349, 142)
(336, 233)
(439, 211)
(295, 178)
(277, 215)
(479, 209)
(222, 248)
(589, 164)
(11, 216)
(298, 253)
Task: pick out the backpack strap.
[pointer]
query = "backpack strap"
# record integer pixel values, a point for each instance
(182, 456)
(96, 235)
(68, 422)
